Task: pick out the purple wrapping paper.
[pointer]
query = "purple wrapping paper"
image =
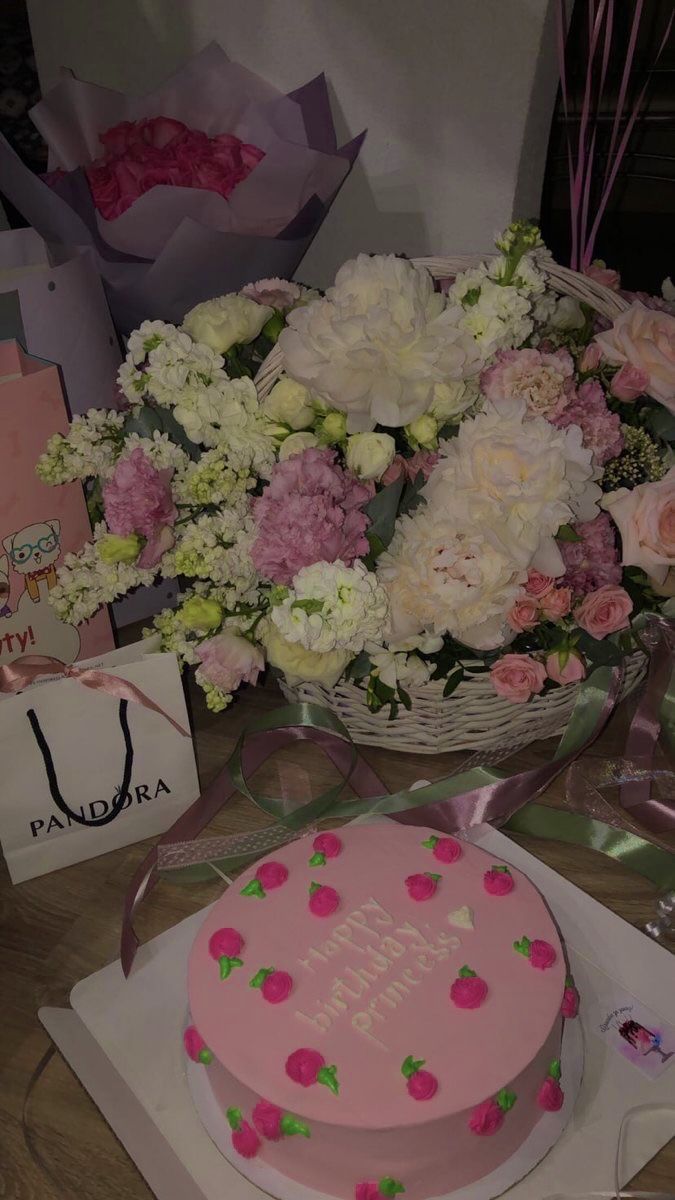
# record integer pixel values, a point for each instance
(177, 246)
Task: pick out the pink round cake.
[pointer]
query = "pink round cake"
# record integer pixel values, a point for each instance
(380, 1011)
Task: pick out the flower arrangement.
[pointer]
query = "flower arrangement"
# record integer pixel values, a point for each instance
(444, 482)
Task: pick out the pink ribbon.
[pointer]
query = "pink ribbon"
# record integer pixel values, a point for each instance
(20, 674)
(635, 795)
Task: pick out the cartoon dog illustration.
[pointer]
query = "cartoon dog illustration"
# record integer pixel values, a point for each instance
(5, 610)
(33, 551)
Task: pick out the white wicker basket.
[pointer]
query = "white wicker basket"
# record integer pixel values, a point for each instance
(473, 717)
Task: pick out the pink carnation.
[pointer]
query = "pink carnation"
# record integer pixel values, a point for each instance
(228, 660)
(594, 561)
(274, 293)
(544, 380)
(600, 428)
(516, 677)
(137, 499)
(487, 1118)
(422, 460)
(311, 511)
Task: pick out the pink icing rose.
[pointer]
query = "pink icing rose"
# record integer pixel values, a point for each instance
(225, 943)
(644, 338)
(550, 1095)
(245, 1140)
(137, 499)
(303, 1066)
(573, 671)
(538, 585)
(447, 850)
(468, 990)
(421, 887)
(601, 273)
(498, 883)
(557, 603)
(323, 901)
(327, 844)
(646, 520)
(629, 383)
(487, 1118)
(229, 660)
(524, 614)
(544, 380)
(516, 677)
(590, 359)
(271, 875)
(606, 610)
(570, 1002)
(367, 1189)
(542, 954)
(422, 1085)
(195, 1046)
(274, 293)
(277, 987)
(267, 1119)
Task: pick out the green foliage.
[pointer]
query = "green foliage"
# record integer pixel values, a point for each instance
(151, 419)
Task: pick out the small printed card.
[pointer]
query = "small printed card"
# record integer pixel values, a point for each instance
(634, 1031)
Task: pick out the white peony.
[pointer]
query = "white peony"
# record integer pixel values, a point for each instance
(452, 398)
(520, 471)
(290, 403)
(369, 454)
(333, 607)
(226, 321)
(377, 343)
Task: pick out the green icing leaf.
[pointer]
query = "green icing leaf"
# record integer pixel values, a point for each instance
(205, 1056)
(523, 946)
(501, 870)
(505, 1099)
(390, 1187)
(328, 1076)
(227, 965)
(411, 1066)
(291, 1125)
(260, 977)
(430, 842)
(430, 875)
(554, 1069)
(314, 887)
(234, 1118)
(318, 860)
(466, 973)
(254, 888)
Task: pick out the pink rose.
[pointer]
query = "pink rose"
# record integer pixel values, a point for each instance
(327, 844)
(137, 499)
(516, 677)
(644, 338)
(447, 850)
(422, 460)
(603, 274)
(557, 603)
(629, 382)
(542, 955)
(277, 987)
(271, 875)
(422, 1085)
(323, 901)
(228, 660)
(225, 943)
(487, 1118)
(267, 1119)
(590, 359)
(606, 610)
(523, 615)
(646, 520)
(538, 585)
(245, 1140)
(422, 887)
(550, 1095)
(468, 990)
(570, 1002)
(498, 881)
(195, 1046)
(303, 1066)
(572, 672)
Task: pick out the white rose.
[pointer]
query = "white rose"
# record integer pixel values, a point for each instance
(296, 443)
(369, 454)
(333, 427)
(423, 432)
(452, 399)
(226, 321)
(289, 403)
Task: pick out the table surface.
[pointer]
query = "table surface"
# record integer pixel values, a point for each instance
(61, 927)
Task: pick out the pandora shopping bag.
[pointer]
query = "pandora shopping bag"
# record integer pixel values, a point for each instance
(93, 759)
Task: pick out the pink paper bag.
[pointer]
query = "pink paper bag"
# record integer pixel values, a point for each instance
(38, 524)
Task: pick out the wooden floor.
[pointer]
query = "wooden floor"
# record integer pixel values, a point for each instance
(57, 929)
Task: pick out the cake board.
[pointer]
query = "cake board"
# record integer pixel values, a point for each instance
(123, 1039)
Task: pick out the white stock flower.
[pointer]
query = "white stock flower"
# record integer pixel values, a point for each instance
(377, 343)
(369, 454)
(91, 447)
(226, 321)
(290, 403)
(216, 547)
(85, 582)
(333, 607)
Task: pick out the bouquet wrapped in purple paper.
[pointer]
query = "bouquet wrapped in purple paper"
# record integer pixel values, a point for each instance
(211, 180)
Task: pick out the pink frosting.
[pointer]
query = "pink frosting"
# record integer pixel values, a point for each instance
(225, 943)
(303, 1066)
(498, 883)
(324, 901)
(468, 993)
(267, 1120)
(542, 954)
(570, 1002)
(245, 1140)
(447, 850)
(277, 987)
(422, 1085)
(271, 875)
(550, 1095)
(328, 844)
(487, 1118)
(421, 887)
(194, 1044)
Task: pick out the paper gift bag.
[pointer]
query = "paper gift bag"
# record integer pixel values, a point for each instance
(86, 769)
(38, 524)
(52, 301)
